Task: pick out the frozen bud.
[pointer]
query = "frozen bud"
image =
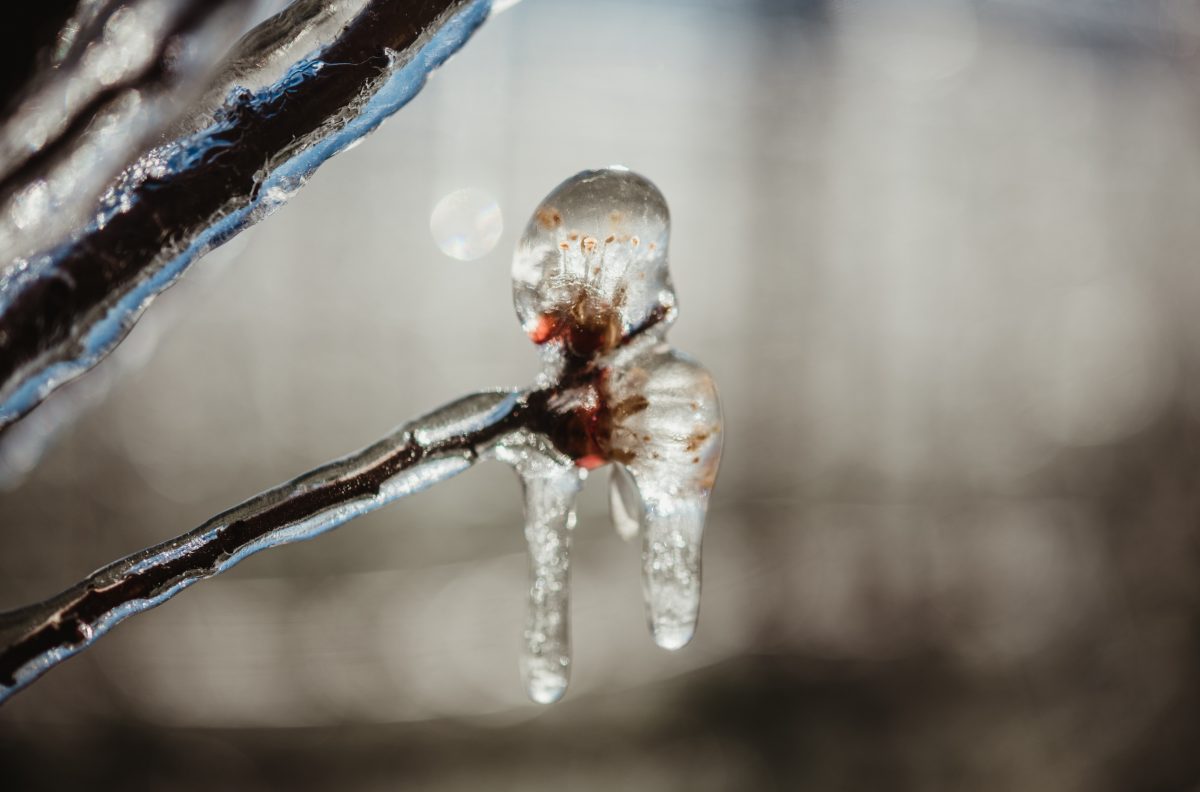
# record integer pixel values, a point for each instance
(592, 288)
(591, 266)
(666, 420)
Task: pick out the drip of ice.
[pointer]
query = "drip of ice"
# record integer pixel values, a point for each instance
(592, 288)
(669, 451)
(551, 484)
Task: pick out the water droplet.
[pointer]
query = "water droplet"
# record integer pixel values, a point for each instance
(466, 224)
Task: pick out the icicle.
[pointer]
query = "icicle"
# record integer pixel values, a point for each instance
(670, 441)
(671, 567)
(591, 287)
(551, 482)
(549, 519)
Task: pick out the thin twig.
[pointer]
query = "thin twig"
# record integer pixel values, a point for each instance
(415, 456)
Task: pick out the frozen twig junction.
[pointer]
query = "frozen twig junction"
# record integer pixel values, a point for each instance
(592, 289)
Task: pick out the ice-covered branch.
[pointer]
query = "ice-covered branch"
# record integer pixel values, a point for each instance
(113, 77)
(592, 289)
(63, 309)
(415, 456)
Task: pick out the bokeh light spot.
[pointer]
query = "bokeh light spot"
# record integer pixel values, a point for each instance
(466, 224)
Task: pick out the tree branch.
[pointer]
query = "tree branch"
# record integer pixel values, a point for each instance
(413, 457)
(117, 73)
(64, 310)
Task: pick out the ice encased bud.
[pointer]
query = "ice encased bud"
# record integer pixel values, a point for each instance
(670, 447)
(592, 288)
(591, 265)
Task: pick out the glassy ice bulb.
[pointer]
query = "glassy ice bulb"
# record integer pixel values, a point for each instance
(591, 266)
(592, 288)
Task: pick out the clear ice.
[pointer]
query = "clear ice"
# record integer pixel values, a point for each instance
(592, 290)
(591, 287)
(551, 484)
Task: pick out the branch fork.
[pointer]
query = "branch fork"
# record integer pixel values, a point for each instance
(592, 290)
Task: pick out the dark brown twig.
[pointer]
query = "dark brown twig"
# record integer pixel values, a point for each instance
(416, 455)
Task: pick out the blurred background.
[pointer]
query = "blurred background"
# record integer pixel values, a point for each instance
(940, 257)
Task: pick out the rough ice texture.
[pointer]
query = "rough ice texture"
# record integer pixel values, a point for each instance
(63, 309)
(119, 71)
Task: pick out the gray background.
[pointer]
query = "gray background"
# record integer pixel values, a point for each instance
(940, 258)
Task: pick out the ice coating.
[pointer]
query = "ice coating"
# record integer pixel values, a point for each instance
(551, 484)
(592, 288)
(549, 518)
(671, 450)
(611, 391)
(63, 309)
(591, 266)
(412, 458)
